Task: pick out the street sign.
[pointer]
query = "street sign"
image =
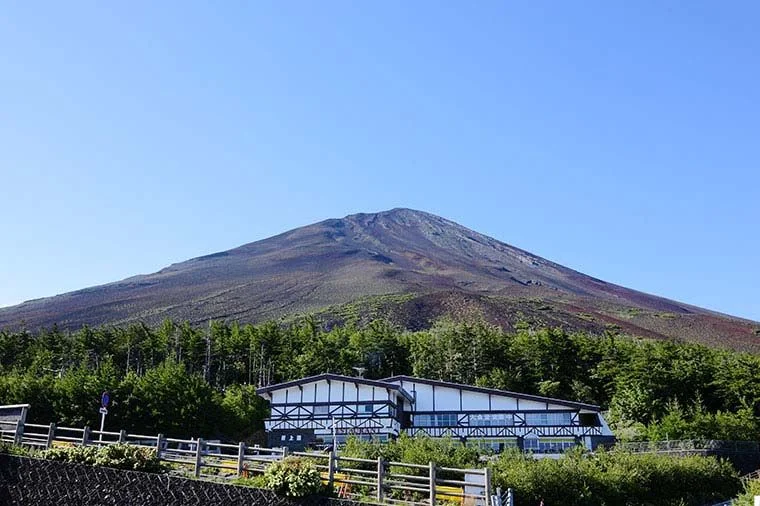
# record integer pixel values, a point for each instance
(105, 398)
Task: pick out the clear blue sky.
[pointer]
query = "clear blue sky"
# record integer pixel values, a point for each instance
(621, 139)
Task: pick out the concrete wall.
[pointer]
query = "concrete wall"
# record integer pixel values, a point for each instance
(34, 482)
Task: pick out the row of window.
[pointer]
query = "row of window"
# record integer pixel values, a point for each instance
(437, 420)
(490, 419)
(548, 419)
(360, 409)
(494, 445)
(446, 419)
(536, 445)
(530, 444)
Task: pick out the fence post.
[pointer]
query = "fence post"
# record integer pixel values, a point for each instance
(284, 451)
(487, 485)
(122, 436)
(51, 436)
(331, 470)
(432, 483)
(159, 440)
(198, 456)
(380, 473)
(241, 457)
(85, 435)
(18, 437)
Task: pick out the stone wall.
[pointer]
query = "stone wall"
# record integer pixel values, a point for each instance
(35, 482)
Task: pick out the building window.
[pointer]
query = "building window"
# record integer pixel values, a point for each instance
(589, 420)
(321, 410)
(493, 445)
(436, 420)
(491, 420)
(548, 445)
(365, 408)
(548, 418)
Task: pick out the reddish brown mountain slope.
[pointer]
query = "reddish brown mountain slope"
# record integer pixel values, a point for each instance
(432, 266)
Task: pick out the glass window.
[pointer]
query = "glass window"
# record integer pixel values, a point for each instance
(548, 445)
(491, 420)
(548, 418)
(555, 445)
(494, 445)
(321, 410)
(589, 420)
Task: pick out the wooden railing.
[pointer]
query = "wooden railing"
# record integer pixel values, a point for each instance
(383, 481)
(403, 482)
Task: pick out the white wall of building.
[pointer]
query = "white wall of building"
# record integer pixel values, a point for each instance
(353, 405)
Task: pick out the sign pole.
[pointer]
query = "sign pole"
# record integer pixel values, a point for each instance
(102, 423)
(105, 399)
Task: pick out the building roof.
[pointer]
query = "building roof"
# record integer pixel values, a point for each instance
(388, 383)
(494, 391)
(336, 377)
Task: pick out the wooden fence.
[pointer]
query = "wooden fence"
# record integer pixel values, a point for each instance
(376, 480)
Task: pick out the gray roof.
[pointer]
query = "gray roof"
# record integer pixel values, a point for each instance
(336, 377)
(494, 391)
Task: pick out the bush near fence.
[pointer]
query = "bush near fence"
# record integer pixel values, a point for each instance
(118, 456)
(616, 478)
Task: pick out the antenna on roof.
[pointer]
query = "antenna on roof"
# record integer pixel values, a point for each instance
(359, 371)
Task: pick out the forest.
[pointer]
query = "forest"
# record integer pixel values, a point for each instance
(188, 381)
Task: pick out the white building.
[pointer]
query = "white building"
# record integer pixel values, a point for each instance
(314, 410)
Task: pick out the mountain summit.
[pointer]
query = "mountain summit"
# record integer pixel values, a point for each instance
(409, 265)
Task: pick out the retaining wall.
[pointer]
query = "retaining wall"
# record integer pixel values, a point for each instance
(36, 482)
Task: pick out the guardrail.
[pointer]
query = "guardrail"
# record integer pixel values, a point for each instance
(385, 481)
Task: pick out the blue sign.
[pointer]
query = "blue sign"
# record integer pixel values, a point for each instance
(105, 399)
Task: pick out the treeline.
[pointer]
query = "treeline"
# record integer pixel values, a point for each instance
(184, 380)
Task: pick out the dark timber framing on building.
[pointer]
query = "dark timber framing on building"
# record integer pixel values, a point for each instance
(327, 407)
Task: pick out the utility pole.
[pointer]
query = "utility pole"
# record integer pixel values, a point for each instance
(207, 364)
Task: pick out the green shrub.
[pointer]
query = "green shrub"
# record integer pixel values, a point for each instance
(135, 458)
(616, 478)
(17, 450)
(120, 456)
(255, 481)
(751, 489)
(75, 454)
(445, 452)
(293, 477)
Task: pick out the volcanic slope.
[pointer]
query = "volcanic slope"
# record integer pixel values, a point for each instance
(406, 265)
